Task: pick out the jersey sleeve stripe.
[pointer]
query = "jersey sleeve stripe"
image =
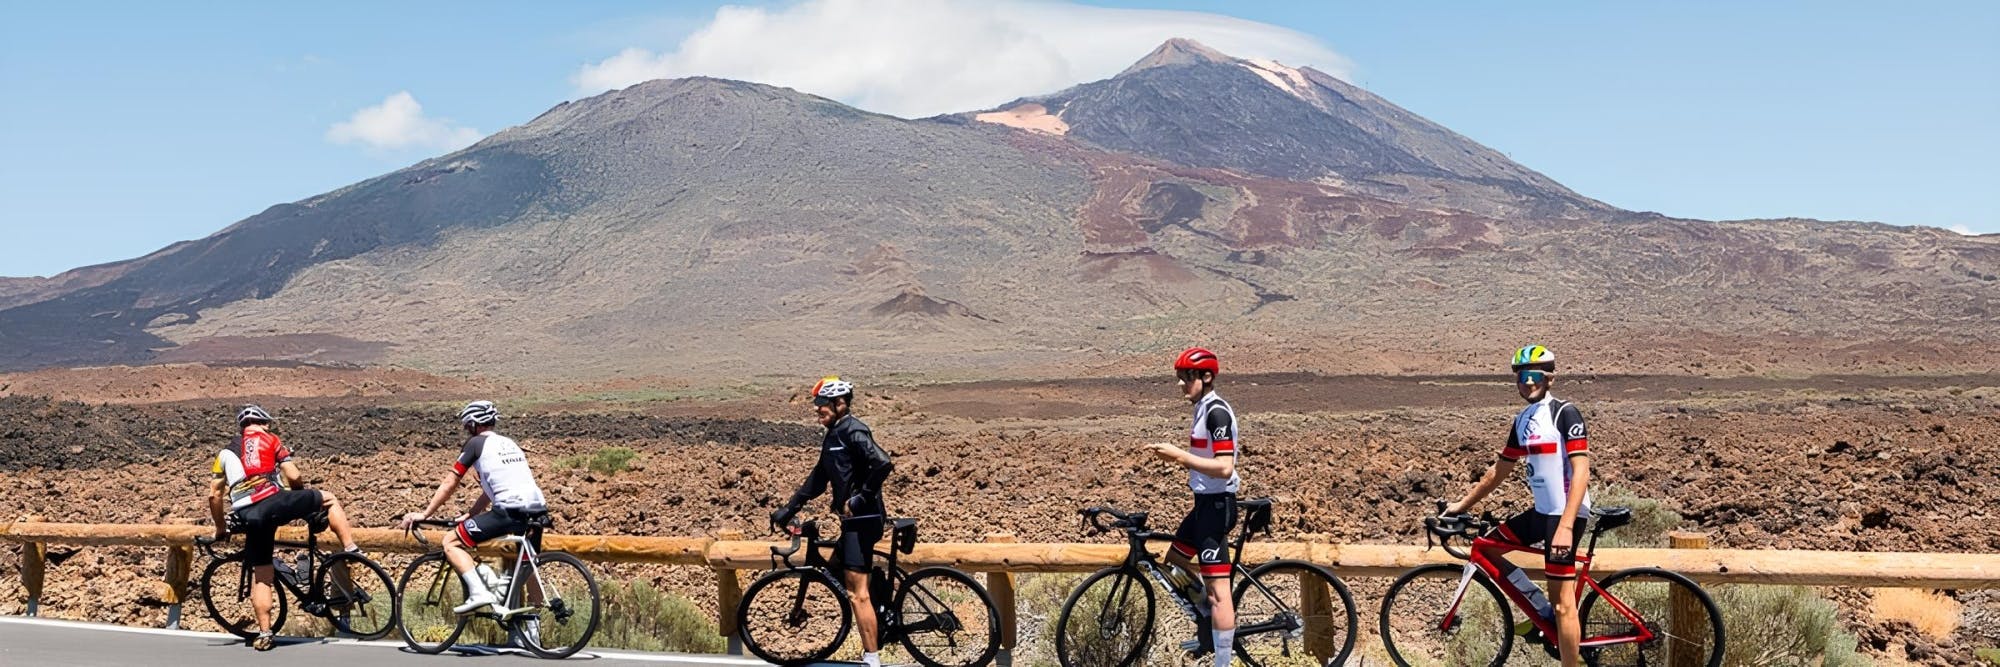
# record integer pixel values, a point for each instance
(458, 467)
(1577, 445)
(1221, 447)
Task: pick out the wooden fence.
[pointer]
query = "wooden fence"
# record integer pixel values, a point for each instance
(1000, 557)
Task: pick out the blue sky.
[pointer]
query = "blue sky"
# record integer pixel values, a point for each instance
(129, 126)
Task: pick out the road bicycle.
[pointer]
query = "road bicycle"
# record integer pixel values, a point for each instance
(1448, 614)
(549, 602)
(799, 613)
(1288, 612)
(349, 590)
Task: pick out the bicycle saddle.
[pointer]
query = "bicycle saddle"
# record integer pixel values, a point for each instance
(1607, 518)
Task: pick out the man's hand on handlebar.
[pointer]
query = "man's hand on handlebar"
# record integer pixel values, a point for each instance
(409, 521)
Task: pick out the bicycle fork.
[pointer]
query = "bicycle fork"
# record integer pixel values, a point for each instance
(1458, 597)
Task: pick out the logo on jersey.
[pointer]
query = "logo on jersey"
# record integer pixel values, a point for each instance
(1211, 555)
(1219, 433)
(1576, 431)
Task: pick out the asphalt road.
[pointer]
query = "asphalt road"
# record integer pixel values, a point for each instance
(37, 642)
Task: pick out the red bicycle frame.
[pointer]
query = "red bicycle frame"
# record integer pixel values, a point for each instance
(1475, 557)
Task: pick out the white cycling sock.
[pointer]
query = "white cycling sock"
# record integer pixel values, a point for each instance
(871, 659)
(1224, 641)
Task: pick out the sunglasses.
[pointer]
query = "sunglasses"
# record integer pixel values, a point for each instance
(1530, 377)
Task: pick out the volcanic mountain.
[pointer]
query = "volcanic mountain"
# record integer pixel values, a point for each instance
(702, 227)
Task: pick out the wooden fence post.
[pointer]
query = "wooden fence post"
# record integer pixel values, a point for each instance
(34, 560)
(1001, 586)
(180, 560)
(34, 567)
(1686, 617)
(728, 594)
(1316, 600)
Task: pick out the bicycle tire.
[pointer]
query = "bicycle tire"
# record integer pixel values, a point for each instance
(430, 606)
(1658, 602)
(930, 590)
(765, 599)
(1078, 651)
(329, 587)
(1337, 626)
(239, 619)
(571, 579)
(1492, 606)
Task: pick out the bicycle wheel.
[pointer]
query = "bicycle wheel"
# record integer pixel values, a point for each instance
(1415, 629)
(424, 598)
(1686, 624)
(794, 616)
(360, 599)
(564, 603)
(948, 619)
(228, 600)
(1301, 615)
(1107, 622)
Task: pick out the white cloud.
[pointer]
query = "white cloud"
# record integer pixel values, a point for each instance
(917, 58)
(1963, 230)
(398, 123)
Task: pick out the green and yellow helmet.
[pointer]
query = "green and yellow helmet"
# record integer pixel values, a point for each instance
(1534, 355)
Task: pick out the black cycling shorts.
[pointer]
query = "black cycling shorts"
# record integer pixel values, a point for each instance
(1204, 534)
(260, 521)
(858, 536)
(496, 522)
(1533, 529)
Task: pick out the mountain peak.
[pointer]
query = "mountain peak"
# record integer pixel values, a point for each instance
(1179, 51)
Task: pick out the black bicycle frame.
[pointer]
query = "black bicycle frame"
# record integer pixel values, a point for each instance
(1138, 537)
(888, 630)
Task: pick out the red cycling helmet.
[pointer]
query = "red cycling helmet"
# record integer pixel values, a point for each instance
(1197, 359)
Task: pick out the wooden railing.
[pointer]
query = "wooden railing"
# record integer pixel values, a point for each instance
(1001, 557)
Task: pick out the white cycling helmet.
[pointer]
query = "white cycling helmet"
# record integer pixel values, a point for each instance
(479, 413)
(831, 387)
(251, 414)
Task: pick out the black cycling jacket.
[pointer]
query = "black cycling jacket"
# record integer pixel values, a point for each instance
(852, 463)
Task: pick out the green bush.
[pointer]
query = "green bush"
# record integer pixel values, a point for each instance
(1990, 656)
(1652, 519)
(1783, 625)
(641, 617)
(606, 461)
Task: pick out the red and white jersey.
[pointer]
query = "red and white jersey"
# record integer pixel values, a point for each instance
(1214, 434)
(249, 465)
(1545, 436)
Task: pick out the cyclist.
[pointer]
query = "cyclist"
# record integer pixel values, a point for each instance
(509, 501)
(1210, 460)
(855, 466)
(246, 496)
(1549, 434)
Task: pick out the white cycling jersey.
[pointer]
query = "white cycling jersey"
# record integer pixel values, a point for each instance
(1545, 436)
(503, 471)
(1214, 434)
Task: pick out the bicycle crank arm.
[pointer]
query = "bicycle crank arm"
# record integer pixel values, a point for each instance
(1276, 625)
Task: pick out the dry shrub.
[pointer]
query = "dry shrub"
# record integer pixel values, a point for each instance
(1783, 625)
(639, 616)
(1933, 613)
